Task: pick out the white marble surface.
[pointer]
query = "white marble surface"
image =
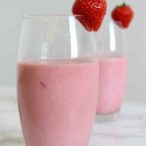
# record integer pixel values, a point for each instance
(128, 130)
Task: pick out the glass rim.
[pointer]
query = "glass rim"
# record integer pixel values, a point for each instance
(110, 21)
(49, 15)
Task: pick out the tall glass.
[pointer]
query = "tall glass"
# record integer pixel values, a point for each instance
(113, 66)
(57, 81)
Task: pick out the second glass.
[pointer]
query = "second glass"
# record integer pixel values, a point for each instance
(113, 70)
(57, 81)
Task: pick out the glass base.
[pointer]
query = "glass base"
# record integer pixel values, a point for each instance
(106, 117)
(8, 140)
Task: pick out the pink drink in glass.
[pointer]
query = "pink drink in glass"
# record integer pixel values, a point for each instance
(57, 101)
(113, 77)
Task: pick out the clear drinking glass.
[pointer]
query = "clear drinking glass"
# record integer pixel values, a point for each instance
(113, 66)
(57, 81)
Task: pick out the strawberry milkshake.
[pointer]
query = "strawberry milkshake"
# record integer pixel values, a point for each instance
(113, 75)
(57, 101)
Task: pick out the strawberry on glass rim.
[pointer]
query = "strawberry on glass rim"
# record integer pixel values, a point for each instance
(93, 12)
(122, 15)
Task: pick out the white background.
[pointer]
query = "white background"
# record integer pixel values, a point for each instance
(11, 16)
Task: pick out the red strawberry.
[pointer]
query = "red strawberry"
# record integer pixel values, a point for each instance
(93, 12)
(123, 15)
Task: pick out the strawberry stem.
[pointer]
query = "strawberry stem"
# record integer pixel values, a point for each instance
(124, 4)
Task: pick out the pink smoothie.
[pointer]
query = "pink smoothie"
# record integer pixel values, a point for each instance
(57, 101)
(113, 76)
